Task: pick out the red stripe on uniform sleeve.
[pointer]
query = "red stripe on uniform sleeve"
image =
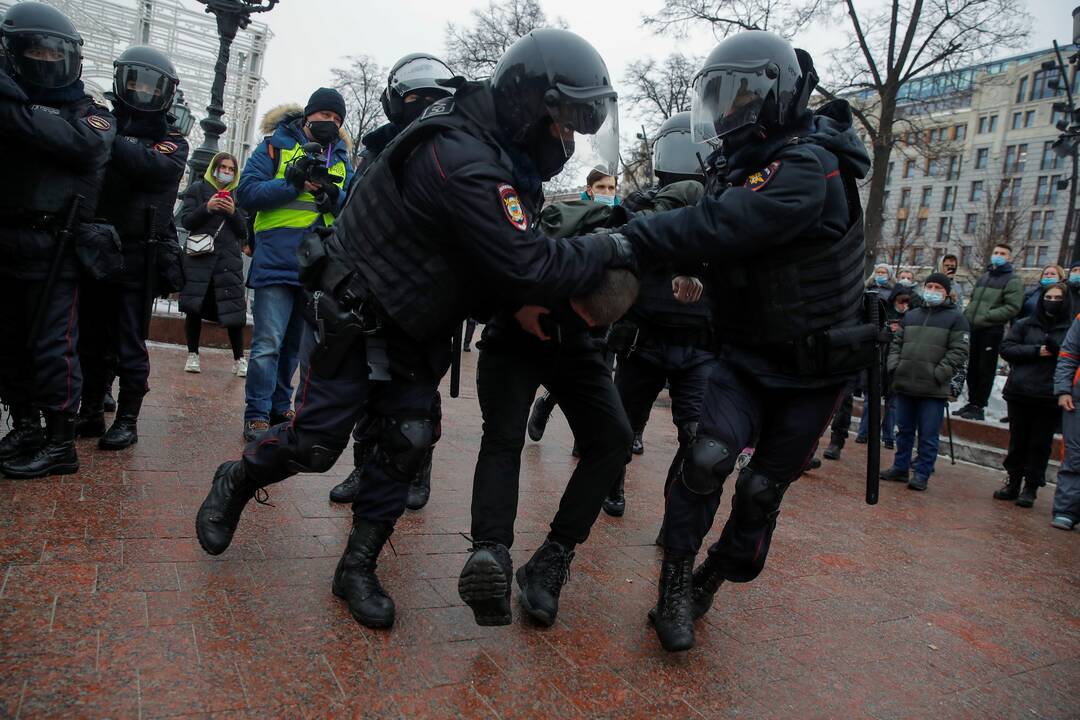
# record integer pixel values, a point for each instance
(833, 174)
(1064, 354)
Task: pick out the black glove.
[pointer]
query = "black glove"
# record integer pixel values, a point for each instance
(331, 190)
(296, 174)
(323, 203)
(1051, 344)
(622, 255)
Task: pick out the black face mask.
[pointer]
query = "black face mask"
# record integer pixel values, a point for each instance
(324, 132)
(547, 153)
(1052, 308)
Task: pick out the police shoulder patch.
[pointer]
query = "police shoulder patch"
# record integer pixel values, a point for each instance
(761, 178)
(444, 106)
(512, 207)
(166, 147)
(98, 123)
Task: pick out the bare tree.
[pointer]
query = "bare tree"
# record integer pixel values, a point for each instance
(891, 46)
(1002, 221)
(474, 50)
(361, 84)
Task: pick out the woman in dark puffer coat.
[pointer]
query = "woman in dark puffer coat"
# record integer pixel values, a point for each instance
(1031, 349)
(214, 282)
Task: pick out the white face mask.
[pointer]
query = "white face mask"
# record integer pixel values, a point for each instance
(225, 177)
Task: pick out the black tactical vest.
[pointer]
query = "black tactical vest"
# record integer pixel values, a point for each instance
(37, 184)
(405, 262)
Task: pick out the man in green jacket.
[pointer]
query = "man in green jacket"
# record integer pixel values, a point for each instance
(995, 301)
(927, 351)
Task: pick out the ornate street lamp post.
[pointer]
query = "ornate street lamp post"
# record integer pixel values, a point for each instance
(231, 16)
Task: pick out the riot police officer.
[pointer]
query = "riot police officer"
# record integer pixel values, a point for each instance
(435, 230)
(781, 228)
(665, 338)
(413, 85)
(140, 192)
(56, 143)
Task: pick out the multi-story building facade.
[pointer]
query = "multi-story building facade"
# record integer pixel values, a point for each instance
(976, 167)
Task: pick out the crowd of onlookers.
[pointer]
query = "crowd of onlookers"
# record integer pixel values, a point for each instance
(940, 341)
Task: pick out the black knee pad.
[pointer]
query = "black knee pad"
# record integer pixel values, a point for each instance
(403, 446)
(757, 498)
(707, 464)
(314, 454)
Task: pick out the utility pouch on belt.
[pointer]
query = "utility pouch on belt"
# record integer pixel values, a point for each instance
(97, 245)
(622, 337)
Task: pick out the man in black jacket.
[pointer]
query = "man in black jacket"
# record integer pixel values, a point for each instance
(433, 231)
(780, 225)
(56, 143)
(413, 85)
(140, 192)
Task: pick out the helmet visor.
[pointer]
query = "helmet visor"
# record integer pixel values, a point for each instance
(43, 60)
(727, 99)
(143, 88)
(676, 152)
(588, 126)
(421, 73)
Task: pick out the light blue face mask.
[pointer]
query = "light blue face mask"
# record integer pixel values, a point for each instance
(881, 279)
(608, 200)
(1049, 281)
(1074, 278)
(998, 260)
(933, 297)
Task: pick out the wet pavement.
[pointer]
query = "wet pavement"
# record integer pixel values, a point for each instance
(943, 604)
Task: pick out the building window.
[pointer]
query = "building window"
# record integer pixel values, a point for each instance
(982, 157)
(1042, 258)
(908, 165)
(931, 167)
(1049, 159)
(1052, 190)
(976, 191)
(971, 223)
(1017, 121)
(905, 197)
(1057, 116)
(924, 200)
(993, 123)
(888, 174)
(1040, 190)
(1021, 89)
(920, 227)
(1015, 158)
(960, 132)
(1040, 84)
(949, 201)
(954, 167)
(1029, 119)
(1010, 192)
(901, 227)
(943, 229)
(983, 124)
(916, 256)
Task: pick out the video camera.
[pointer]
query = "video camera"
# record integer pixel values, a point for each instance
(311, 167)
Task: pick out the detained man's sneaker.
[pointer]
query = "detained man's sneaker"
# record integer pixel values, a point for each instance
(253, 429)
(541, 580)
(239, 367)
(277, 418)
(192, 364)
(1062, 522)
(484, 584)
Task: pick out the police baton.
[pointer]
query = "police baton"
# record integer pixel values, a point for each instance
(150, 289)
(455, 363)
(948, 426)
(64, 238)
(872, 405)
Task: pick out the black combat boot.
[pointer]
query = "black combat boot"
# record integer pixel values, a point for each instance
(109, 403)
(420, 487)
(220, 511)
(355, 580)
(539, 416)
(363, 449)
(615, 503)
(485, 581)
(123, 432)
(1027, 496)
(707, 580)
(835, 448)
(541, 580)
(27, 434)
(673, 616)
(1010, 490)
(55, 457)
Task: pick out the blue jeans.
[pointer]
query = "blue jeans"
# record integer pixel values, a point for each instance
(275, 350)
(925, 416)
(888, 421)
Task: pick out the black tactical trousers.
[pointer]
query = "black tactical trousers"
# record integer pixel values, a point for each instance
(328, 407)
(642, 374)
(787, 424)
(506, 383)
(111, 324)
(48, 376)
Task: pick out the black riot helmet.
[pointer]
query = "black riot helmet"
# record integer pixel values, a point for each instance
(675, 155)
(754, 82)
(551, 90)
(41, 46)
(144, 79)
(415, 74)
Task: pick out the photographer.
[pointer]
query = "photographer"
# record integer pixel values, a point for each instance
(290, 189)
